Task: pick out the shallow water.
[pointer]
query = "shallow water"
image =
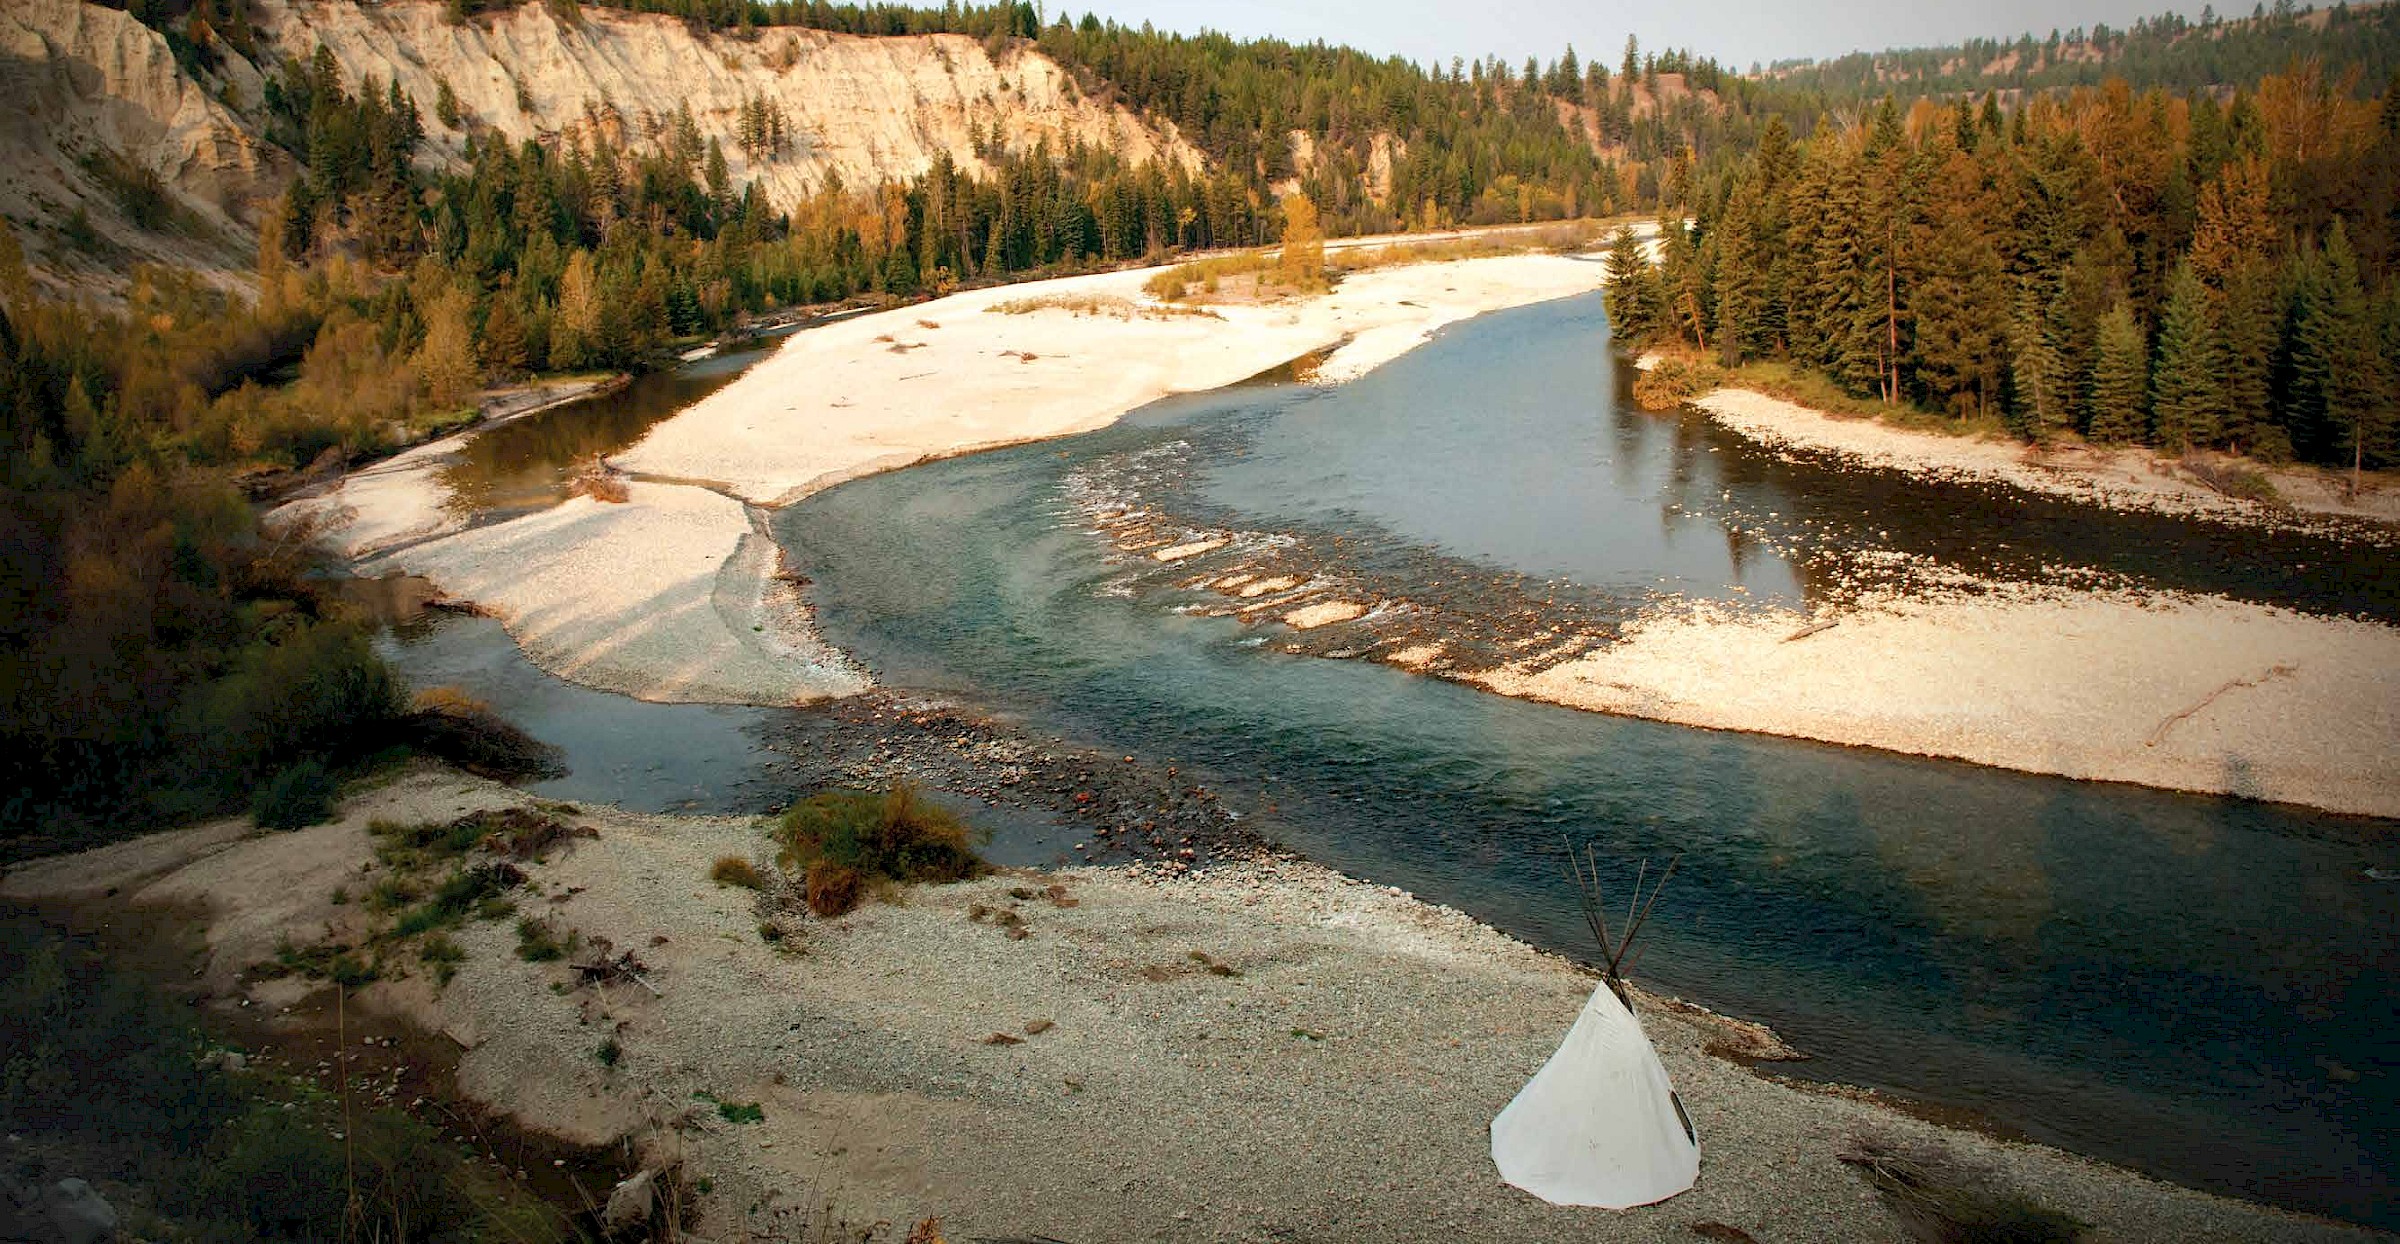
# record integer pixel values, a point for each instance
(524, 464)
(2197, 987)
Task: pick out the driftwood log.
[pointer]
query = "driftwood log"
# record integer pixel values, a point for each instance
(2175, 719)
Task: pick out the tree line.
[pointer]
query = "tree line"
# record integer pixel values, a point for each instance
(2131, 267)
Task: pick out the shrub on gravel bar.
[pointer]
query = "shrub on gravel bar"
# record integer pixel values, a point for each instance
(844, 842)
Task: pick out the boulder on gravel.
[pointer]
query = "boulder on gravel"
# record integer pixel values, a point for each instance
(631, 1204)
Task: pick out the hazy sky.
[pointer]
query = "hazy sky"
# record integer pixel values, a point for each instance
(1736, 32)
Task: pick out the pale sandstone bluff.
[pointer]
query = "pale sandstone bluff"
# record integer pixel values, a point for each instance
(78, 82)
(865, 109)
(2188, 693)
(82, 83)
(1336, 1083)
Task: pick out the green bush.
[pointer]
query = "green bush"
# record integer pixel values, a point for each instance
(311, 689)
(537, 942)
(299, 796)
(846, 840)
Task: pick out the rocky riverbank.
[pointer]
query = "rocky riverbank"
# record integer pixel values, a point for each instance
(1256, 1049)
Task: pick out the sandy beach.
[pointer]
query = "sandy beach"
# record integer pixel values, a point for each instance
(669, 595)
(2124, 477)
(1086, 1081)
(1028, 362)
(2188, 693)
(2173, 690)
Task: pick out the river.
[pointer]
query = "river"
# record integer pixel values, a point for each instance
(2196, 987)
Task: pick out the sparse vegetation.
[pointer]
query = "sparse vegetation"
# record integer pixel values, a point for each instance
(139, 192)
(2233, 479)
(842, 842)
(1099, 305)
(329, 960)
(220, 1155)
(441, 956)
(733, 1112)
(1943, 1202)
(464, 893)
(539, 942)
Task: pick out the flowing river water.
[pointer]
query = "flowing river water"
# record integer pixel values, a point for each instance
(2200, 988)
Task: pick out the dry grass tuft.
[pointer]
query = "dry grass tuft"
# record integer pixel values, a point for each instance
(1673, 382)
(832, 888)
(736, 871)
(1104, 305)
(1943, 1202)
(593, 478)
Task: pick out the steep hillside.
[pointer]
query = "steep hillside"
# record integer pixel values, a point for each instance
(117, 154)
(865, 109)
(114, 155)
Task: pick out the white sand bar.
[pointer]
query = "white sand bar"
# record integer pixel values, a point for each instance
(377, 507)
(2121, 477)
(885, 390)
(2198, 694)
(668, 596)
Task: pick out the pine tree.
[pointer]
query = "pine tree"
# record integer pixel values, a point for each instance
(717, 180)
(1739, 267)
(2035, 368)
(1681, 284)
(502, 349)
(1631, 289)
(2185, 397)
(1958, 304)
(2120, 378)
(2337, 358)
(2248, 317)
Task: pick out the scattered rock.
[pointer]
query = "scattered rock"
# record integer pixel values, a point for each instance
(631, 1204)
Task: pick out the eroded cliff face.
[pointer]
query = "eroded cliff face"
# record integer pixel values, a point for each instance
(869, 109)
(83, 85)
(92, 105)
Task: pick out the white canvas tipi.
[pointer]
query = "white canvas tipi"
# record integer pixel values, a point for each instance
(1600, 1124)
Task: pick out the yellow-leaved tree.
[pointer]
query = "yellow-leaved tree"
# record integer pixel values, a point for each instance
(1303, 261)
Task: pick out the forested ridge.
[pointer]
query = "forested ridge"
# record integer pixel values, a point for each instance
(2150, 266)
(2178, 262)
